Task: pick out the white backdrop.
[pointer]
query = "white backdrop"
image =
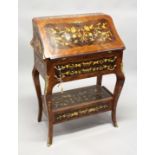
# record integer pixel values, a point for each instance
(92, 135)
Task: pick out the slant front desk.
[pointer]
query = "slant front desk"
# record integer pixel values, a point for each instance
(68, 48)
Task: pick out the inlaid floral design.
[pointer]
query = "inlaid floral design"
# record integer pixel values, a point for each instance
(82, 112)
(79, 34)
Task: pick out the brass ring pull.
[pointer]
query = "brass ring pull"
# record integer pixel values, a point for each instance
(111, 68)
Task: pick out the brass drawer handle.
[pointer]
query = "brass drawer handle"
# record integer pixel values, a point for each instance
(111, 68)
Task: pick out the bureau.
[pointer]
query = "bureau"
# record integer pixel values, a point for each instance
(74, 47)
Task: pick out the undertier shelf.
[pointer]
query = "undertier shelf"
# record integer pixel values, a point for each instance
(80, 102)
(80, 95)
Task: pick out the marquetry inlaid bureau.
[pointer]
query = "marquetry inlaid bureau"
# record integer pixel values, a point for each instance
(70, 48)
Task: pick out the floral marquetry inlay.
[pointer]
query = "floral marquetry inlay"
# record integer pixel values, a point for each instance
(82, 112)
(69, 35)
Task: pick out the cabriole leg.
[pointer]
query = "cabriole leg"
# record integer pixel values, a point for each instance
(47, 93)
(120, 78)
(35, 75)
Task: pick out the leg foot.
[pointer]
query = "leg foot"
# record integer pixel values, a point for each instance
(114, 121)
(49, 143)
(118, 88)
(50, 134)
(115, 124)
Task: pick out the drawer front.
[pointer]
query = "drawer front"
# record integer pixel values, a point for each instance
(80, 112)
(86, 66)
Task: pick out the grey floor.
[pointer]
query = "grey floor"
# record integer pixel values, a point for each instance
(93, 135)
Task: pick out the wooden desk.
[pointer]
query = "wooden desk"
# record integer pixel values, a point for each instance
(75, 47)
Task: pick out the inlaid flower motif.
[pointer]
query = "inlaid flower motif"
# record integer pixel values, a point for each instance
(80, 34)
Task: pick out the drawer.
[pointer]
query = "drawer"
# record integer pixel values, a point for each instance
(80, 112)
(93, 65)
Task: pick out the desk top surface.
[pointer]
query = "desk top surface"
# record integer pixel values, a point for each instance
(63, 36)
